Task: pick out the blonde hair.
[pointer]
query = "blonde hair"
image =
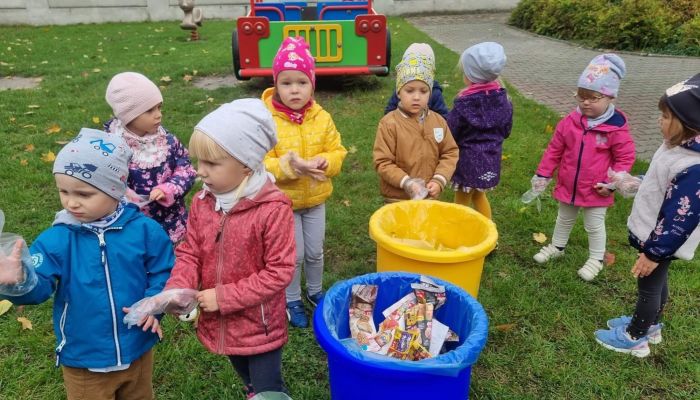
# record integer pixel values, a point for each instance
(202, 147)
(677, 132)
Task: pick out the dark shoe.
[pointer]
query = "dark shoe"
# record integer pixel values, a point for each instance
(296, 314)
(315, 298)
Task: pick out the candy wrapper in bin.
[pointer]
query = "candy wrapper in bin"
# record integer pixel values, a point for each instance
(173, 301)
(361, 309)
(17, 276)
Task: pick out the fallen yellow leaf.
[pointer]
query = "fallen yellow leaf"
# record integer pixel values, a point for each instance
(522, 209)
(505, 327)
(5, 306)
(33, 106)
(29, 126)
(95, 120)
(539, 237)
(13, 119)
(96, 70)
(352, 149)
(549, 129)
(48, 157)
(54, 128)
(165, 79)
(61, 142)
(505, 156)
(26, 324)
(187, 78)
(23, 162)
(346, 203)
(29, 147)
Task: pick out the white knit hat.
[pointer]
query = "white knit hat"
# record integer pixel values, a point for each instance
(244, 128)
(131, 94)
(483, 62)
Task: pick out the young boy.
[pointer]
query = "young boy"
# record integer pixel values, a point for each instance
(413, 141)
(100, 256)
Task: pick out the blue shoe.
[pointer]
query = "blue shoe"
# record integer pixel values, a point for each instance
(316, 298)
(296, 314)
(618, 340)
(653, 334)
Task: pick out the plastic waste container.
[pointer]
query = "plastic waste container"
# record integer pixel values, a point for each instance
(358, 374)
(445, 240)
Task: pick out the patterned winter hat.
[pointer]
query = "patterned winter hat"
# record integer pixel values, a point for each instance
(294, 54)
(97, 158)
(603, 74)
(243, 128)
(417, 64)
(683, 99)
(483, 62)
(131, 94)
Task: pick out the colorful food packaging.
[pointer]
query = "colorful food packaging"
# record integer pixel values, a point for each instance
(401, 344)
(361, 309)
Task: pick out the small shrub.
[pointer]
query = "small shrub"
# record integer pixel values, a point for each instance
(636, 25)
(690, 36)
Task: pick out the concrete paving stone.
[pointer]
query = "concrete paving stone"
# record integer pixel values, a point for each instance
(546, 70)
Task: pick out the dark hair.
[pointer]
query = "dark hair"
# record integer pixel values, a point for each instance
(678, 133)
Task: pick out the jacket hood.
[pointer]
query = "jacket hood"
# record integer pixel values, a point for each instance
(267, 99)
(63, 217)
(483, 110)
(692, 144)
(617, 122)
(269, 193)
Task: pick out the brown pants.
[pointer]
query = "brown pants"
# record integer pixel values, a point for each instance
(134, 383)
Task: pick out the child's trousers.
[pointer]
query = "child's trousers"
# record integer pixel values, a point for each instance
(479, 200)
(652, 294)
(309, 233)
(133, 383)
(593, 222)
(261, 371)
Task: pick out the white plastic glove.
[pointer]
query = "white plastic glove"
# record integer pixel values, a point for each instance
(626, 184)
(172, 301)
(538, 186)
(313, 168)
(17, 276)
(415, 188)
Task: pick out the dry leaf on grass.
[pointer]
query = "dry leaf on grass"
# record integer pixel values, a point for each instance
(48, 157)
(549, 129)
(26, 324)
(609, 258)
(352, 149)
(505, 156)
(54, 128)
(61, 142)
(23, 162)
(165, 79)
(29, 147)
(95, 120)
(539, 237)
(505, 327)
(187, 78)
(5, 306)
(346, 203)
(33, 106)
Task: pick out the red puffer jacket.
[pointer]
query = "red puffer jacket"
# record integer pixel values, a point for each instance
(248, 255)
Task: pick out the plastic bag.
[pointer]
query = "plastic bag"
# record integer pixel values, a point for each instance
(415, 188)
(538, 186)
(173, 301)
(27, 279)
(140, 200)
(625, 184)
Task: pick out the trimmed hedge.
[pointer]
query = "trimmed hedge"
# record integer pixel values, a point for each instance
(655, 26)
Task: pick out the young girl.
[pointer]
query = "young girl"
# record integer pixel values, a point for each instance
(590, 140)
(480, 120)
(239, 247)
(436, 102)
(160, 172)
(664, 221)
(413, 142)
(100, 255)
(308, 154)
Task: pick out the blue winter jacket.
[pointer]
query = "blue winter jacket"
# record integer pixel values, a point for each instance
(95, 275)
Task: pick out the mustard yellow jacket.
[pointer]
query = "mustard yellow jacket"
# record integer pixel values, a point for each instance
(316, 136)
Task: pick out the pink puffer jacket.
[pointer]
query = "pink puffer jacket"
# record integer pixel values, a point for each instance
(583, 157)
(249, 256)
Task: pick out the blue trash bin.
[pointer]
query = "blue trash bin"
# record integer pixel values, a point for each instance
(355, 373)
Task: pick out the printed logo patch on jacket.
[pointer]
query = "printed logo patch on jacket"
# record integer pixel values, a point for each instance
(439, 134)
(37, 260)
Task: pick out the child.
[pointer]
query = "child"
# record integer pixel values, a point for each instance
(160, 172)
(480, 120)
(239, 246)
(436, 102)
(100, 255)
(412, 141)
(590, 140)
(308, 154)
(663, 224)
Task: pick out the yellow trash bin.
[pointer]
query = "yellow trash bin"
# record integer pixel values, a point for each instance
(445, 240)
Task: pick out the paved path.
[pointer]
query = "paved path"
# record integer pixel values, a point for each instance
(547, 70)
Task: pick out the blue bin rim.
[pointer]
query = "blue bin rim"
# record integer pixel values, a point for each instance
(450, 363)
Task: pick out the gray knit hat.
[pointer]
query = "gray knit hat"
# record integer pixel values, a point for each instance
(244, 128)
(97, 158)
(483, 62)
(603, 74)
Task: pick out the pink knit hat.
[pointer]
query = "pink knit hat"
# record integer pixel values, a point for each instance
(294, 54)
(131, 94)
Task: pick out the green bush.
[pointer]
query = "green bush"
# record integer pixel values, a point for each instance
(661, 26)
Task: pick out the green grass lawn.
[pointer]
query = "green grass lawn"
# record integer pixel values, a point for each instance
(542, 318)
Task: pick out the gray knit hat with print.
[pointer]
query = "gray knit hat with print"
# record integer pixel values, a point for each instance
(244, 128)
(483, 62)
(96, 158)
(603, 74)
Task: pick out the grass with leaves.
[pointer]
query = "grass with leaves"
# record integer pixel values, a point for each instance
(542, 318)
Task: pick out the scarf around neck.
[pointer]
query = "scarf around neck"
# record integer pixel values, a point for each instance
(479, 87)
(593, 122)
(247, 189)
(150, 150)
(296, 116)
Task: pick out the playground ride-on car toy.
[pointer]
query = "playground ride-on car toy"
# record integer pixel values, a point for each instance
(346, 37)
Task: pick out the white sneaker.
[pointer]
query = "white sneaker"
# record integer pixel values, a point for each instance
(590, 269)
(547, 253)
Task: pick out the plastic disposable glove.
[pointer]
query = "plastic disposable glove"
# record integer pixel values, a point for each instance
(415, 188)
(538, 186)
(626, 184)
(17, 276)
(172, 301)
(308, 168)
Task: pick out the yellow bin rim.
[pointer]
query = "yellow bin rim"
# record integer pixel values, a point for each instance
(479, 250)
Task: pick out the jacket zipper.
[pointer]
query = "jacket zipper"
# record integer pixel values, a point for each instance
(115, 332)
(264, 319)
(219, 271)
(578, 163)
(61, 327)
